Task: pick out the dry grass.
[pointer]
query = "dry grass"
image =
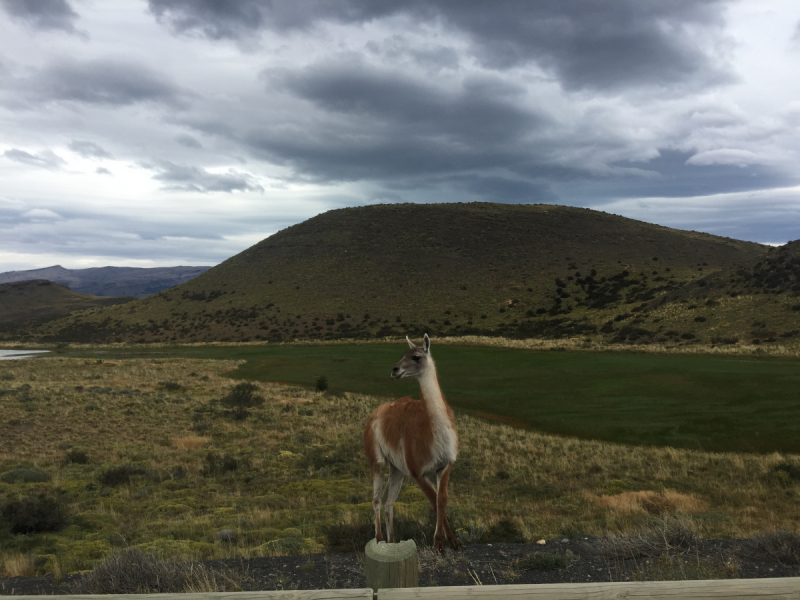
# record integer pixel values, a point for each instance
(18, 565)
(190, 442)
(292, 476)
(649, 502)
(788, 348)
(131, 571)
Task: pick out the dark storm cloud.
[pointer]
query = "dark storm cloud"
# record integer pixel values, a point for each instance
(45, 159)
(596, 44)
(217, 19)
(104, 82)
(375, 124)
(193, 179)
(89, 149)
(584, 43)
(42, 14)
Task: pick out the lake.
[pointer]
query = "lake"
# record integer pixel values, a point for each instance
(13, 354)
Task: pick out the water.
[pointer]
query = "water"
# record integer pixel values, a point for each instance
(13, 354)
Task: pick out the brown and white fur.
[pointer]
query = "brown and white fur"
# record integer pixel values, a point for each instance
(416, 439)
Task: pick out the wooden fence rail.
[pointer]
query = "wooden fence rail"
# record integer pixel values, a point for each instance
(774, 589)
(783, 588)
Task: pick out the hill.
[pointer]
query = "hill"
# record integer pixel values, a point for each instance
(448, 269)
(24, 302)
(110, 281)
(757, 301)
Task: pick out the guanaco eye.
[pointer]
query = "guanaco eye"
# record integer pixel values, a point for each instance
(416, 358)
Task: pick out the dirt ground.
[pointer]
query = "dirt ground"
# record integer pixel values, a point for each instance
(556, 561)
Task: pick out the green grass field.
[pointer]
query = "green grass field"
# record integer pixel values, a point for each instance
(733, 403)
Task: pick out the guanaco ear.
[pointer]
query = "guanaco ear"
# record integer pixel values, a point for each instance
(426, 343)
(411, 344)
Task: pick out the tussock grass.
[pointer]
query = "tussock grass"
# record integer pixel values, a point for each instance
(291, 477)
(131, 571)
(18, 565)
(190, 442)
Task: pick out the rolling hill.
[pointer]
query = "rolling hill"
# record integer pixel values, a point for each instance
(757, 301)
(448, 269)
(110, 281)
(25, 302)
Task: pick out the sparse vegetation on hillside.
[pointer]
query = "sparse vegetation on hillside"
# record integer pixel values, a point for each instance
(291, 477)
(455, 269)
(28, 303)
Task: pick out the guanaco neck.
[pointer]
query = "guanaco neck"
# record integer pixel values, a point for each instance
(431, 392)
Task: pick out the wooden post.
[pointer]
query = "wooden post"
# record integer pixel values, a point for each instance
(391, 565)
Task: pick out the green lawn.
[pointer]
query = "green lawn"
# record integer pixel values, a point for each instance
(692, 401)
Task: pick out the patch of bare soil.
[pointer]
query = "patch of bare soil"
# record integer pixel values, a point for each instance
(556, 561)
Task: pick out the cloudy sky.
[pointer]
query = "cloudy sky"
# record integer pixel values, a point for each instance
(165, 132)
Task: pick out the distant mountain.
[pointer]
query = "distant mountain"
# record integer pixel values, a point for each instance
(449, 269)
(25, 302)
(110, 281)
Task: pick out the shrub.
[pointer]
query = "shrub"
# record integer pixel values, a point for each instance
(219, 464)
(170, 386)
(131, 571)
(121, 475)
(792, 472)
(242, 397)
(23, 475)
(781, 546)
(77, 457)
(35, 514)
(321, 383)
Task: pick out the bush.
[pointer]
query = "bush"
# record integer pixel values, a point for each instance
(131, 571)
(23, 475)
(217, 464)
(115, 476)
(77, 457)
(321, 383)
(242, 397)
(35, 514)
(781, 546)
(171, 386)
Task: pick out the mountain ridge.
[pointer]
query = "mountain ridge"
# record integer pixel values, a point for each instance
(110, 281)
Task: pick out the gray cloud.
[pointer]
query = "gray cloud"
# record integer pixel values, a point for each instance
(104, 82)
(585, 43)
(193, 179)
(42, 14)
(103, 171)
(405, 127)
(46, 159)
(245, 18)
(603, 45)
(89, 149)
(188, 141)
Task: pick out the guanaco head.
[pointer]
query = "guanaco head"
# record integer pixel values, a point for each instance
(415, 361)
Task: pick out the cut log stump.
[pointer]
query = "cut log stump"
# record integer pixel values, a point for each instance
(391, 565)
